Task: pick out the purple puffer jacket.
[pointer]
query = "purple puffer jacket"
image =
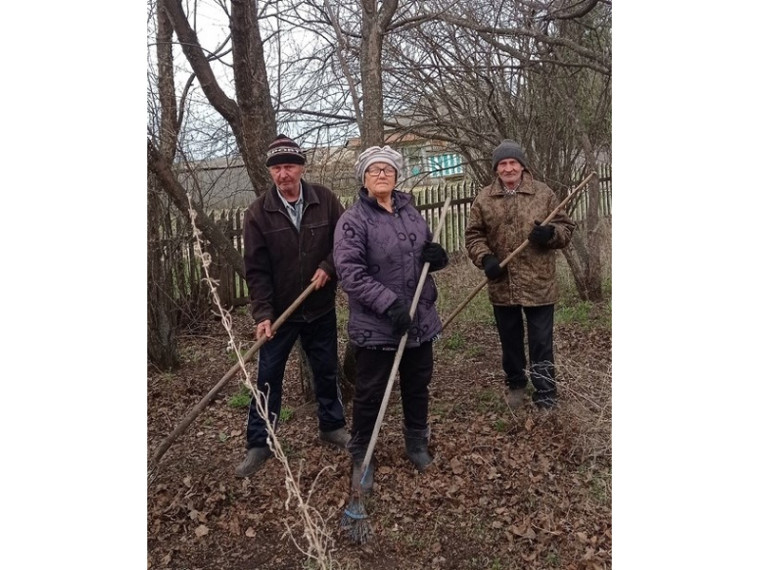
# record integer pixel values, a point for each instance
(377, 258)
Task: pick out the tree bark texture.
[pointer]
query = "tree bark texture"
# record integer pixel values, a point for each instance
(374, 25)
(257, 119)
(162, 314)
(221, 243)
(162, 319)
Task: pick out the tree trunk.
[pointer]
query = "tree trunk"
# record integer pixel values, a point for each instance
(257, 119)
(162, 320)
(586, 268)
(252, 121)
(594, 266)
(374, 26)
(179, 197)
(162, 317)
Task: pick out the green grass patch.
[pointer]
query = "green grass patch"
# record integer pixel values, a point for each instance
(552, 559)
(452, 294)
(240, 399)
(599, 487)
(454, 342)
(598, 482)
(475, 351)
(286, 414)
(585, 314)
(341, 314)
(576, 313)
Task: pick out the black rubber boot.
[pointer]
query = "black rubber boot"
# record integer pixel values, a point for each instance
(369, 478)
(417, 447)
(356, 475)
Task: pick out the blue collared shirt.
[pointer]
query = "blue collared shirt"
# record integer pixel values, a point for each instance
(295, 211)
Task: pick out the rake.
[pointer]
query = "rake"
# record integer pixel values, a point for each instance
(355, 519)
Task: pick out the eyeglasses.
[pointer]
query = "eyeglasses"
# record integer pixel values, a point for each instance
(376, 170)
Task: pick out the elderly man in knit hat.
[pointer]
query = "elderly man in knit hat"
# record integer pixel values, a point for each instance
(381, 245)
(503, 216)
(288, 235)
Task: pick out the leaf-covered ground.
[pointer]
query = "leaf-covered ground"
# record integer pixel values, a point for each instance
(506, 491)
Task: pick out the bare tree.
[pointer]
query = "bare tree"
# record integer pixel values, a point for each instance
(250, 117)
(474, 73)
(162, 321)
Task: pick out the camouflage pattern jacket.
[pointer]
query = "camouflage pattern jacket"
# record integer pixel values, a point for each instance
(499, 223)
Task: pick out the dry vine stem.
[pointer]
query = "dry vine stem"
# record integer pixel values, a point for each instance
(521, 247)
(314, 530)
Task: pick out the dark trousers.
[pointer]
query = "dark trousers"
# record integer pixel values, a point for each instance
(540, 321)
(373, 367)
(320, 343)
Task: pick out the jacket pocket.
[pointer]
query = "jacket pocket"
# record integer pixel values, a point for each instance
(315, 235)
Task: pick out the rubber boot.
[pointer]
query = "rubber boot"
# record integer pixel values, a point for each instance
(254, 460)
(356, 476)
(417, 447)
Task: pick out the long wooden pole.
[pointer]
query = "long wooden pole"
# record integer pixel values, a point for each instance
(188, 419)
(400, 350)
(521, 247)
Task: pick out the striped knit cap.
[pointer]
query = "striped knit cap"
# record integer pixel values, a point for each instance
(376, 154)
(284, 150)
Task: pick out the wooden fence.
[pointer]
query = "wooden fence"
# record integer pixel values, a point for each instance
(579, 206)
(429, 201)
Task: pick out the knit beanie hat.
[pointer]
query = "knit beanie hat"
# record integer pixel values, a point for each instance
(284, 150)
(508, 149)
(376, 154)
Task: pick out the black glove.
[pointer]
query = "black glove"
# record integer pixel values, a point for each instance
(434, 254)
(398, 312)
(541, 235)
(491, 266)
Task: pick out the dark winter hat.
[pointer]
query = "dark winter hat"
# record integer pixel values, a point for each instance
(284, 150)
(508, 149)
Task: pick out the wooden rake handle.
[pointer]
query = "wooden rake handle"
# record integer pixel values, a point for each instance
(521, 247)
(401, 346)
(188, 419)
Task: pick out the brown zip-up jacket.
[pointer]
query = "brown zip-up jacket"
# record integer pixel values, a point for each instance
(281, 260)
(499, 223)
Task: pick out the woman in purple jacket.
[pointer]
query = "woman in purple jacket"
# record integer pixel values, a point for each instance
(380, 246)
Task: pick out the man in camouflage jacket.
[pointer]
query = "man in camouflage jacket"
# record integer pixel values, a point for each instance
(503, 215)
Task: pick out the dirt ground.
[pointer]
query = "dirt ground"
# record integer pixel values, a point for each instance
(506, 491)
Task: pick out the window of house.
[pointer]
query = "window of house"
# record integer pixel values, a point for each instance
(445, 165)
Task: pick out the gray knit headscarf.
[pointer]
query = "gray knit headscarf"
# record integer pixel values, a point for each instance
(376, 154)
(509, 149)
